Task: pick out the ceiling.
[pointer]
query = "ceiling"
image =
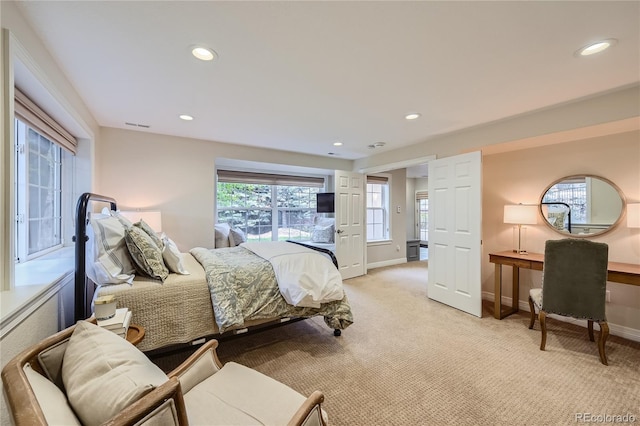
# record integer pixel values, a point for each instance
(299, 76)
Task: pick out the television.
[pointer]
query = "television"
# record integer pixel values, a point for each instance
(325, 202)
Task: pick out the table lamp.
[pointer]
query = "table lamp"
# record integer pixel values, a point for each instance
(518, 215)
(152, 218)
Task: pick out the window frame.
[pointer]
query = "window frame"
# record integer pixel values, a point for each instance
(23, 187)
(384, 181)
(277, 211)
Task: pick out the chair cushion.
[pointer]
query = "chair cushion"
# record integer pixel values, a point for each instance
(103, 373)
(536, 296)
(237, 395)
(51, 399)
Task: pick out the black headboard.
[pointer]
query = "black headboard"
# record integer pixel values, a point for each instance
(81, 299)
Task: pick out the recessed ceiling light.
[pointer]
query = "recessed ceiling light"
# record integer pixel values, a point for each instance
(203, 53)
(412, 116)
(337, 144)
(186, 117)
(597, 47)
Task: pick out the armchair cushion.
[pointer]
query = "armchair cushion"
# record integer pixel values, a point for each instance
(238, 395)
(103, 373)
(51, 399)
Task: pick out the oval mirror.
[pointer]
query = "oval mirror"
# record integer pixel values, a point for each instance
(582, 205)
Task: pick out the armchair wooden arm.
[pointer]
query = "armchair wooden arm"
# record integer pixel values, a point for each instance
(145, 405)
(304, 415)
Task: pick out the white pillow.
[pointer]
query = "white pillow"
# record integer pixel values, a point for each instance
(172, 256)
(53, 402)
(109, 258)
(103, 373)
(236, 237)
(222, 235)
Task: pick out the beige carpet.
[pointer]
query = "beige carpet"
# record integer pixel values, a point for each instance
(408, 360)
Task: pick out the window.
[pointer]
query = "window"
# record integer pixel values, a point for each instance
(38, 193)
(422, 201)
(268, 207)
(377, 208)
(39, 143)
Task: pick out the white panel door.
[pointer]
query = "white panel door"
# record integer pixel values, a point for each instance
(350, 227)
(455, 218)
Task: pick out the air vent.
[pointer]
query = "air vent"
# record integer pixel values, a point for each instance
(377, 145)
(144, 126)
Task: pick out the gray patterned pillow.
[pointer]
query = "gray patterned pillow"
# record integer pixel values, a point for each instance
(147, 256)
(322, 234)
(146, 228)
(556, 219)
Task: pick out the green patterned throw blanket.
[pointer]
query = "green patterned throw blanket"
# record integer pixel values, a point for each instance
(243, 287)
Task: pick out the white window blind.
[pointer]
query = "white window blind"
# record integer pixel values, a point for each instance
(31, 114)
(234, 176)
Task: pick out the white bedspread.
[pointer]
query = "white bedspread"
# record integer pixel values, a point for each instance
(305, 277)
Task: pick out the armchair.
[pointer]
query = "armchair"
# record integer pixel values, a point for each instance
(574, 284)
(87, 375)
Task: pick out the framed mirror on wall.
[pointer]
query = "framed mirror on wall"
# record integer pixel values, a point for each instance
(582, 205)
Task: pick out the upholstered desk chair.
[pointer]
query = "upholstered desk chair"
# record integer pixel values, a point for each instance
(574, 283)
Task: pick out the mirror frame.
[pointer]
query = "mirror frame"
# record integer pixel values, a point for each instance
(623, 210)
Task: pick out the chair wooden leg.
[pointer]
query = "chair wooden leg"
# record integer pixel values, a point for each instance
(532, 309)
(590, 328)
(604, 333)
(543, 325)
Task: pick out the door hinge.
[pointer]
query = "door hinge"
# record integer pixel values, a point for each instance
(20, 218)
(20, 148)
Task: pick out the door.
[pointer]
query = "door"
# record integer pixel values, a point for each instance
(350, 237)
(455, 218)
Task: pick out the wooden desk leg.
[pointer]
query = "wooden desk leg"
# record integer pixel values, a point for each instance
(497, 292)
(515, 292)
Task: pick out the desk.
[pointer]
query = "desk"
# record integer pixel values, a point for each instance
(625, 273)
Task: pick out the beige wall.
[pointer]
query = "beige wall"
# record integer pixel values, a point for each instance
(176, 175)
(521, 177)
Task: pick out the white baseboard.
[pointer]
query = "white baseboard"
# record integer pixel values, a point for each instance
(615, 329)
(387, 263)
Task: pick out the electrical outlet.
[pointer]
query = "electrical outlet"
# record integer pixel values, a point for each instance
(608, 296)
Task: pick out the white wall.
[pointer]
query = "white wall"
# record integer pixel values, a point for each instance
(44, 311)
(175, 175)
(521, 177)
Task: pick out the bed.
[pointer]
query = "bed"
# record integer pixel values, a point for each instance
(228, 291)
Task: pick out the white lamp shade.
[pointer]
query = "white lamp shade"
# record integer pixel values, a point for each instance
(633, 215)
(521, 214)
(152, 218)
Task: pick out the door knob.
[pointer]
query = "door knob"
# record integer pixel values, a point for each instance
(339, 231)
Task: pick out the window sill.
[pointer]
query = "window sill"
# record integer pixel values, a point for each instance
(379, 243)
(33, 282)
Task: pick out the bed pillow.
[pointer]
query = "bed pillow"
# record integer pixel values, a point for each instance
(556, 219)
(236, 237)
(172, 256)
(222, 235)
(146, 255)
(322, 234)
(109, 261)
(154, 236)
(103, 373)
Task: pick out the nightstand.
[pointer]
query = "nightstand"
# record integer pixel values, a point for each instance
(135, 334)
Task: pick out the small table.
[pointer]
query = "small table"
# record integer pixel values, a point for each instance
(135, 334)
(625, 273)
